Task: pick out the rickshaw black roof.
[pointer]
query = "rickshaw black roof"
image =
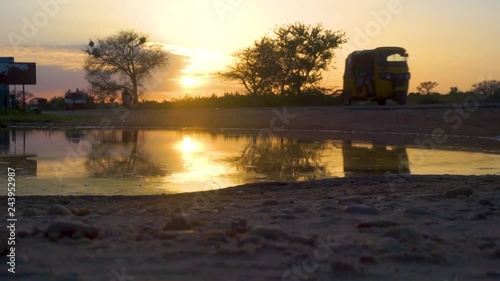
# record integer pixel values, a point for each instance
(366, 56)
(373, 51)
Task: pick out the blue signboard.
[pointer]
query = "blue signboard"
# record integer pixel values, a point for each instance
(18, 73)
(4, 89)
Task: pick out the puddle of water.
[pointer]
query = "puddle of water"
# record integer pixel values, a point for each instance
(133, 162)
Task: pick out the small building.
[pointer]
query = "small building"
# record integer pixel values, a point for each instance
(37, 105)
(75, 100)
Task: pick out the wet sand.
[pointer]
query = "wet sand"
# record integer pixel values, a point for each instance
(370, 228)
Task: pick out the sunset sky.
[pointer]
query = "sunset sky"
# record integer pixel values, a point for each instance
(452, 42)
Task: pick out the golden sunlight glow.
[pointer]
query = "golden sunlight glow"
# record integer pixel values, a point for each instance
(190, 82)
(199, 167)
(187, 145)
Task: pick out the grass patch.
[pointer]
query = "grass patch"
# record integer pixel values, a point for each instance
(35, 118)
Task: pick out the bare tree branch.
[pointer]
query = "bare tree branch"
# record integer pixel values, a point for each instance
(120, 63)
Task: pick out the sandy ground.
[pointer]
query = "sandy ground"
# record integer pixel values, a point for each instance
(372, 228)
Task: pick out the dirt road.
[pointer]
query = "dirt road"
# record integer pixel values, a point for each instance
(481, 122)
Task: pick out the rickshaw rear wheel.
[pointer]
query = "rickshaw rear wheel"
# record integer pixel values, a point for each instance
(347, 96)
(400, 98)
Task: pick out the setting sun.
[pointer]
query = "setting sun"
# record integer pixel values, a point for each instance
(190, 82)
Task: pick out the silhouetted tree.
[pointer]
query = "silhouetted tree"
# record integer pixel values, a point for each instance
(58, 102)
(254, 67)
(303, 53)
(289, 63)
(454, 91)
(486, 87)
(425, 88)
(19, 97)
(120, 63)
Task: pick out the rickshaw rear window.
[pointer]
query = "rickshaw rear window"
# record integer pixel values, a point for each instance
(393, 58)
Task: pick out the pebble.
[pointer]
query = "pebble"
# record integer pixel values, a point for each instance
(285, 217)
(497, 253)
(270, 202)
(327, 209)
(266, 210)
(256, 240)
(289, 202)
(350, 199)
(82, 212)
(59, 229)
(388, 245)
(417, 211)
(487, 245)
(4, 247)
(485, 202)
(377, 223)
(172, 234)
(343, 268)
(270, 233)
(239, 225)
(480, 215)
(367, 259)
(361, 209)
(465, 191)
(30, 213)
(287, 211)
(493, 274)
(177, 223)
(385, 199)
(22, 259)
(231, 252)
(59, 210)
(37, 230)
(21, 233)
(300, 209)
(403, 234)
(309, 241)
(215, 237)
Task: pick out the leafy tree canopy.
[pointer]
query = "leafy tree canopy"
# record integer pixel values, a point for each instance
(289, 62)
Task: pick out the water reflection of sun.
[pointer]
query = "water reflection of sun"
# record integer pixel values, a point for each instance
(187, 145)
(200, 167)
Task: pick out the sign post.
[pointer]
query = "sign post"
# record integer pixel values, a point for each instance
(24, 101)
(6, 94)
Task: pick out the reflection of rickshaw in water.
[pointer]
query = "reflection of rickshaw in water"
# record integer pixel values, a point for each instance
(74, 136)
(362, 159)
(378, 75)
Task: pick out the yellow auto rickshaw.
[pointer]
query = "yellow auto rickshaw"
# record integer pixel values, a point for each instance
(377, 75)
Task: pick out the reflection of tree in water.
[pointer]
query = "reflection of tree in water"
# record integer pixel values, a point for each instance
(282, 159)
(113, 158)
